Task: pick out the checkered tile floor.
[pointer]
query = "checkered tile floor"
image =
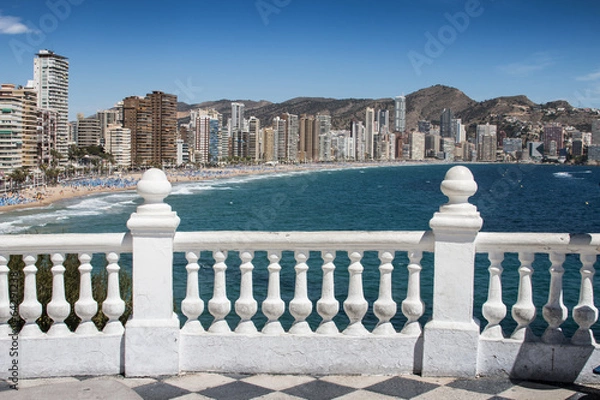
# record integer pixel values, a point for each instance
(201, 386)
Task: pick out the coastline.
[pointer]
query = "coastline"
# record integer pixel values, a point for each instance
(61, 192)
(46, 196)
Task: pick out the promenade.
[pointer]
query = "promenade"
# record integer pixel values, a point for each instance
(204, 386)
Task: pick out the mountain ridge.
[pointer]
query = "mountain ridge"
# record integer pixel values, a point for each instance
(511, 113)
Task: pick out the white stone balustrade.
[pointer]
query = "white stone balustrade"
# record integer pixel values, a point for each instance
(372, 341)
(246, 306)
(58, 309)
(328, 306)
(494, 309)
(273, 307)
(585, 313)
(219, 306)
(192, 306)
(413, 307)
(301, 306)
(385, 307)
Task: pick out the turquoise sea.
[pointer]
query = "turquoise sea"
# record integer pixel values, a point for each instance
(511, 198)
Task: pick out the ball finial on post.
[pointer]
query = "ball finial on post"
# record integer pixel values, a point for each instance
(154, 186)
(458, 185)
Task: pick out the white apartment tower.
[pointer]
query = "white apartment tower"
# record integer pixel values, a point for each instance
(400, 116)
(370, 133)
(51, 81)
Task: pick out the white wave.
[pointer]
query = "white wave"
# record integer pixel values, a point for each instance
(562, 175)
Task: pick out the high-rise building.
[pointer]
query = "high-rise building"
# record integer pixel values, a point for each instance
(554, 137)
(325, 147)
(577, 148)
(113, 116)
(400, 114)
(486, 142)
(357, 133)
(596, 131)
(280, 132)
(457, 131)
(309, 138)
(200, 131)
(288, 142)
(370, 132)
(118, 143)
(27, 123)
(432, 145)
(51, 81)
(254, 142)
(47, 123)
(512, 145)
(89, 132)
(11, 130)
(237, 116)
(424, 126)
(416, 143)
(153, 124)
(446, 123)
(269, 144)
(383, 121)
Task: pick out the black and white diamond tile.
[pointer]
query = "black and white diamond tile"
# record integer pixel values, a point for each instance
(213, 386)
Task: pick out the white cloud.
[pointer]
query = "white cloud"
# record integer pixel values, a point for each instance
(535, 62)
(12, 25)
(592, 76)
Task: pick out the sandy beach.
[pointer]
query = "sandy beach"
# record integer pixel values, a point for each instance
(46, 195)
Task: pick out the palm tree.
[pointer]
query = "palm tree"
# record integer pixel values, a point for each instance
(20, 176)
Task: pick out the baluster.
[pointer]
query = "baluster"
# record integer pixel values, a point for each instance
(219, 306)
(30, 309)
(555, 312)
(585, 313)
(385, 307)
(113, 306)
(327, 305)
(86, 307)
(300, 306)
(273, 306)
(355, 305)
(5, 304)
(494, 309)
(413, 307)
(58, 309)
(192, 306)
(246, 306)
(523, 312)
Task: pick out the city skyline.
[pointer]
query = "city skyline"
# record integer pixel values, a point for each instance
(277, 50)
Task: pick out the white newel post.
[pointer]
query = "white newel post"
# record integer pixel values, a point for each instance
(152, 333)
(451, 338)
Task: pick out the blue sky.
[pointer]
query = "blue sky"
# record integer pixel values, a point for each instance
(279, 49)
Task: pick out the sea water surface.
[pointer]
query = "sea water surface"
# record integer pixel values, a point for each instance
(510, 198)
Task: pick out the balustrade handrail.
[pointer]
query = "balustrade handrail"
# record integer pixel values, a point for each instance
(515, 242)
(66, 243)
(315, 240)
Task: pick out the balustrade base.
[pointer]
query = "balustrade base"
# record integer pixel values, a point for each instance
(50, 356)
(450, 349)
(301, 354)
(538, 361)
(152, 347)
